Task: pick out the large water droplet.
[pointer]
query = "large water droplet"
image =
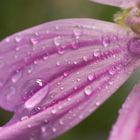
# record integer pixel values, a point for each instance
(36, 98)
(34, 92)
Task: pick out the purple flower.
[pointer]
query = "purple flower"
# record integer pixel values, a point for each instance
(55, 75)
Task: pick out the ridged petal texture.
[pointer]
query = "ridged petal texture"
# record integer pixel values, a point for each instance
(128, 123)
(55, 75)
(119, 3)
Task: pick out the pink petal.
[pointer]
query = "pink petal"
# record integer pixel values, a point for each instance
(119, 3)
(127, 126)
(56, 74)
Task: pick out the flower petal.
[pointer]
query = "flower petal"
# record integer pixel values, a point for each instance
(58, 73)
(127, 126)
(119, 3)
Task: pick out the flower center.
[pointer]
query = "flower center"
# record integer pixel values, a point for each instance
(129, 18)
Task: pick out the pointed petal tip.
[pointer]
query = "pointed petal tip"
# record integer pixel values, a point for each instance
(118, 3)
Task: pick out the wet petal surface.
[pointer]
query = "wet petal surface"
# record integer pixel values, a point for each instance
(56, 74)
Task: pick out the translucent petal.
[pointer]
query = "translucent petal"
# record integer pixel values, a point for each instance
(56, 74)
(127, 126)
(119, 3)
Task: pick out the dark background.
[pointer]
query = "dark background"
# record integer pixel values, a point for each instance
(16, 15)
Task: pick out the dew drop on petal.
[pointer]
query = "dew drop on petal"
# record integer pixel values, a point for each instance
(96, 53)
(43, 129)
(90, 77)
(61, 122)
(88, 90)
(18, 39)
(112, 71)
(105, 41)
(58, 63)
(97, 103)
(53, 111)
(35, 92)
(33, 41)
(24, 118)
(11, 93)
(16, 77)
(57, 41)
(77, 31)
(54, 129)
(29, 125)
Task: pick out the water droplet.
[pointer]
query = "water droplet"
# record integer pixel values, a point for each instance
(30, 69)
(45, 57)
(35, 62)
(88, 90)
(7, 39)
(112, 71)
(65, 74)
(24, 118)
(78, 79)
(96, 53)
(54, 129)
(18, 39)
(53, 111)
(77, 31)
(16, 77)
(62, 88)
(34, 41)
(111, 82)
(29, 125)
(97, 103)
(81, 117)
(36, 98)
(17, 48)
(11, 93)
(105, 41)
(90, 77)
(57, 41)
(46, 121)
(43, 129)
(60, 51)
(61, 122)
(58, 63)
(75, 62)
(85, 58)
(34, 92)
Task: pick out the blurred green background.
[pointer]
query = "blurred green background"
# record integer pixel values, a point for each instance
(16, 15)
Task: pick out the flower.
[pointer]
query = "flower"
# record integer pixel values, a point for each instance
(56, 74)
